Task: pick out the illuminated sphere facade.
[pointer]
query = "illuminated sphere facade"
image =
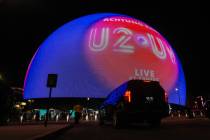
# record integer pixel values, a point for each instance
(93, 55)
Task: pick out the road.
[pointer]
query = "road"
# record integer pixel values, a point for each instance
(173, 129)
(28, 131)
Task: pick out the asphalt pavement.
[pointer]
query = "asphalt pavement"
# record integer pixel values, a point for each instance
(173, 129)
(30, 131)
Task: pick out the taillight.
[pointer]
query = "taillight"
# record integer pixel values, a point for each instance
(165, 97)
(127, 96)
(147, 81)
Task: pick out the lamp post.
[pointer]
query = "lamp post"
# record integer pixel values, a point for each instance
(176, 89)
(51, 83)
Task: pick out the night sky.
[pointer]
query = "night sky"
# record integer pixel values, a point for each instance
(25, 24)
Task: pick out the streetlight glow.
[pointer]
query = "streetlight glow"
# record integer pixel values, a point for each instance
(1, 77)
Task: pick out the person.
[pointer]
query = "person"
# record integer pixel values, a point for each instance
(207, 108)
(78, 114)
(21, 118)
(77, 117)
(68, 114)
(56, 118)
(37, 116)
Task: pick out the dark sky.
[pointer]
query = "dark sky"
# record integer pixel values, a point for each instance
(25, 24)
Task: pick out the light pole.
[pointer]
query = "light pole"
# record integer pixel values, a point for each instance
(51, 83)
(177, 92)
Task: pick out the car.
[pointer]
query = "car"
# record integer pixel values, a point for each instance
(135, 101)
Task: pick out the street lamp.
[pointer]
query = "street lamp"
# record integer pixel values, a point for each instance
(23, 103)
(1, 77)
(176, 89)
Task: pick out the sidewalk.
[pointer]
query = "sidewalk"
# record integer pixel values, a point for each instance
(29, 132)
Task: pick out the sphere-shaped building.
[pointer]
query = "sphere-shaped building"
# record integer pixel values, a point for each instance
(94, 54)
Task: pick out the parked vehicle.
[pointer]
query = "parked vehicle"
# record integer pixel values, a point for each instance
(135, 101)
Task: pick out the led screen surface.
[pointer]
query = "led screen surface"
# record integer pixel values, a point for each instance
(95, 54)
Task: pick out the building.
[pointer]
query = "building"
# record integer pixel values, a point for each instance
(94, 54)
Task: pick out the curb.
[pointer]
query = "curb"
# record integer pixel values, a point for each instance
(53, 134)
